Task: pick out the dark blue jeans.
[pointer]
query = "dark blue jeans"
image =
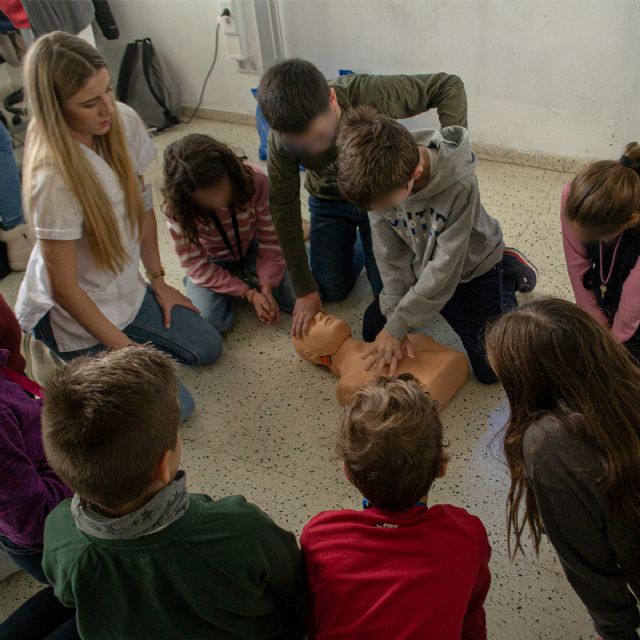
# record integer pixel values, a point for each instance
(473, 305)
(190, 340)
(340, 243)
(43, 615)
(217, 308)
(29, 560)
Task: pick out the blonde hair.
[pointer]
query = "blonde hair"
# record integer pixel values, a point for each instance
(390, 440)
(57, 66)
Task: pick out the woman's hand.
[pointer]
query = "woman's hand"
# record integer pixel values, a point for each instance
(387, 351)
(168, 297)
(267, 292)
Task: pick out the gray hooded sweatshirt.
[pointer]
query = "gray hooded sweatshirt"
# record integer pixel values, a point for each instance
(439, 237)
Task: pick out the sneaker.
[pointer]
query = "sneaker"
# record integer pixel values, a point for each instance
(516, 264)
(19, 241)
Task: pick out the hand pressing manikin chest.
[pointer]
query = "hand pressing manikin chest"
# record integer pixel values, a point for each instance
(441, 370)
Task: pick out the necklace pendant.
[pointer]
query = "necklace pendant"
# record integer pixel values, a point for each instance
(603, 290)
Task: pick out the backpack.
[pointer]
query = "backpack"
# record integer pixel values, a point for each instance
(146, 83)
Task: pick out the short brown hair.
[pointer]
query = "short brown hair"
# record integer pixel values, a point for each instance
(390, 438)
(291, 94)
(376, 156)
(108, 419)
(604, 195)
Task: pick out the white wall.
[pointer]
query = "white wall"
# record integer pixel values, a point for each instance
(558, 76)
(184, 31)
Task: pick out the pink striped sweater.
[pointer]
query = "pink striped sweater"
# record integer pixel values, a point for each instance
(627, 318)
(254, 221)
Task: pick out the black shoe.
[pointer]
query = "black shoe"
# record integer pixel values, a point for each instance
(524, 271)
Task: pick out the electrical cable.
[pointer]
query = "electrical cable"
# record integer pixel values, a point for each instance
(213, 64)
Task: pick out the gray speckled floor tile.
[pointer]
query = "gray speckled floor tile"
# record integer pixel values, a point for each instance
(265, 421)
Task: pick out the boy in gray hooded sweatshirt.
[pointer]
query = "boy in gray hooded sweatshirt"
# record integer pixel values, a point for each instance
(437, 248)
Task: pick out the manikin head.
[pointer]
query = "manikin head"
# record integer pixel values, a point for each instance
(326, 335)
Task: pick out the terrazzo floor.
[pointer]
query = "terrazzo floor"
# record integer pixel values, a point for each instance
(265, 420)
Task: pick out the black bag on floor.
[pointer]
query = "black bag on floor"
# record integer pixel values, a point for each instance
(146, 83)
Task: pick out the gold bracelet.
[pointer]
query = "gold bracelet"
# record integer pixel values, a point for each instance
(248, 296)
(154, 275)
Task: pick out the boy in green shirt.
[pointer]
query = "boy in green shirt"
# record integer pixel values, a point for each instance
(304, 111)
(133, 552)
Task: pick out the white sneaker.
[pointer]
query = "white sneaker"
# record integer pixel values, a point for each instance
(19, 241)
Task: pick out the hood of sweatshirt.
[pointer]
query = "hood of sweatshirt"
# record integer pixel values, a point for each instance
(456, 160)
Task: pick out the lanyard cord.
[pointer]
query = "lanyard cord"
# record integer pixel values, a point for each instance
(613, 261)
(225, 238)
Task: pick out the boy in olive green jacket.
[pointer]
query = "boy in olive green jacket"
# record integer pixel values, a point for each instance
(304, 111)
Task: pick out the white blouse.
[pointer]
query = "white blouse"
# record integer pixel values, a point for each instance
(56, 215)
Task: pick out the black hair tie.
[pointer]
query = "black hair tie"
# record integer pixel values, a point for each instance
(626, 161)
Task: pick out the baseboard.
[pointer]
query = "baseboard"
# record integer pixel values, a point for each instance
(535, 159)
(494, 153)
(232, 117)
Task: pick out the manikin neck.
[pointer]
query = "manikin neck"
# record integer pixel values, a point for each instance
(337, 360)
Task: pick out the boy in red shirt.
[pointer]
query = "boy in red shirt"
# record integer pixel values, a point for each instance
(398, 569)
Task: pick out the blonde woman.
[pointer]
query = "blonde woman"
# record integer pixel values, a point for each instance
(93, 219)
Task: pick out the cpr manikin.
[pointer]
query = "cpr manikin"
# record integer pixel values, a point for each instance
(441, 370)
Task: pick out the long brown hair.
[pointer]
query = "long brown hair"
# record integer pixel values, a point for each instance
(555, 360)
(604, 195)
(199, 161)
(57, 66)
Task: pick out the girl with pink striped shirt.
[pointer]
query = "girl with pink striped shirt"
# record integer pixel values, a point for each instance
(219, 219)
(600, 215)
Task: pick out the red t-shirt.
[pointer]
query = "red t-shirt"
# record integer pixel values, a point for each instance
(419, 574)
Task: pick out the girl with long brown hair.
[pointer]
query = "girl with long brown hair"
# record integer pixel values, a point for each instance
(572, 444)
(217, 207)
(93, 219)
(600, 213)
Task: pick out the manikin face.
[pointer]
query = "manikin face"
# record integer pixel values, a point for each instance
(89, 111)
(326, 335)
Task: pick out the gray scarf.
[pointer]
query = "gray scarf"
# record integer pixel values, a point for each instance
(162, 510)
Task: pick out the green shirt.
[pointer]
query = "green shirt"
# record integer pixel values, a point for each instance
(397, 96)
(223, 570)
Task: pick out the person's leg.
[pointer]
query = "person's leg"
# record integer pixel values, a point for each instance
(43, 332)
(38, 618)
(373, 274)
(285, 294)
(29, 560)
(214, 307)
(473, 305)
(10, 202)
(13, 230)
(190, 339)
(517, 267)
(336, 258)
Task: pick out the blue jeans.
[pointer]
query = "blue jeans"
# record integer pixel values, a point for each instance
(10, 202)
(473, 305)
(29, 560)
(43, 615)
(190, 339)
(341, 245)
(217, 307)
